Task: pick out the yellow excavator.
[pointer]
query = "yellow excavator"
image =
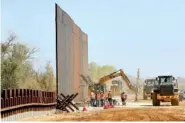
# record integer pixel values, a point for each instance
(118, 73)
(99, 87)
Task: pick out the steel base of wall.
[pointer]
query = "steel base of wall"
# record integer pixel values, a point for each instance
(24, 112)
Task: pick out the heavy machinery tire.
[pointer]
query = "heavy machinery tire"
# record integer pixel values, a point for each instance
(158, 102)
(155, 101)
(123, 103)
(175, 102)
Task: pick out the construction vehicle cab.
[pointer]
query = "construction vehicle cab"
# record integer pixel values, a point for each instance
(166, 90)
(148, 87)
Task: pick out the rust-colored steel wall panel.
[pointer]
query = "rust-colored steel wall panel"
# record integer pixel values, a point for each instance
(61, 49)
(71, 65)
(76, 65)
(84, 63)
(76, 61)
(76, 30)
(71, 54)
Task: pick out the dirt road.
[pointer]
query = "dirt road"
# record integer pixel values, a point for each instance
(141, 111)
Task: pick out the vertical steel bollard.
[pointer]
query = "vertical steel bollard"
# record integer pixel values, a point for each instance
(2, 103)
(37, 97)
(34, 100)
(24, 96)
(21, 96)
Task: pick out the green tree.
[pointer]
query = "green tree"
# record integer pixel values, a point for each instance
(97, 71)
(29, 78)
(50, 77)
(9, 77)
(93, 71)
(14, 63)
(9, 67)
(17, 69)
(46, 80)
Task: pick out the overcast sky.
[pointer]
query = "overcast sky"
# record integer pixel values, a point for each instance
(129, 34)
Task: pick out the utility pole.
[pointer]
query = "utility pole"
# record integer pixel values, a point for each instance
(137, 84)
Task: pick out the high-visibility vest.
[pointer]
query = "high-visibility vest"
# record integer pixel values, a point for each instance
(98, 96)
(101, 96)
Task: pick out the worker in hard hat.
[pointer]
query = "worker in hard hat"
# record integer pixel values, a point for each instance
(123, 98)
(102, 98)
(110, 97)
(92, 99)
(98, 99)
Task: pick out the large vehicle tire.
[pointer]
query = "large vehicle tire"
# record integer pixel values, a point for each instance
(175, 102)
(155, 101)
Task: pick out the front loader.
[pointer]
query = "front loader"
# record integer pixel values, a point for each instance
(166, 90)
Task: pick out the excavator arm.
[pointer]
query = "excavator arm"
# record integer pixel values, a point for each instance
(89, 82)
(129, 84)
(118, 73)
(103, 80)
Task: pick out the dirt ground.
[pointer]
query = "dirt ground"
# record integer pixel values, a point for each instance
(141, 111)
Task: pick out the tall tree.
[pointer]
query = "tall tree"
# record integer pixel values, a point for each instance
(93, 71)
(14, 57)
(46, 79)
(8, 65)
(9, 77)
(50, 77)
(97, 71)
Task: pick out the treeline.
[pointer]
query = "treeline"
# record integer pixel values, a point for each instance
(97, 71)
(17, 68)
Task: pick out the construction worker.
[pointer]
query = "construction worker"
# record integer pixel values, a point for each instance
(92, 99)
(110, 98)
(123, 98)
(102, 98)
(98, 99)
